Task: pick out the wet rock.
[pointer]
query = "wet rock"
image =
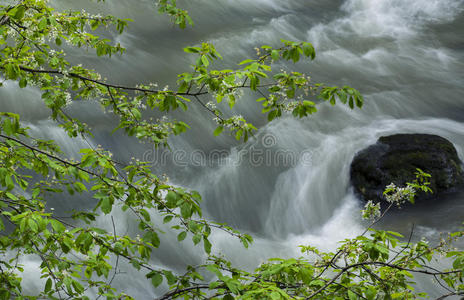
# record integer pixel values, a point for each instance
(395, 158)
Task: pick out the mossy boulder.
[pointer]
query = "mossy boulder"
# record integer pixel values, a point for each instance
(395, 158)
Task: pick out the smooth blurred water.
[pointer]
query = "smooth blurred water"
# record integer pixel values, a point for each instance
(405, 56)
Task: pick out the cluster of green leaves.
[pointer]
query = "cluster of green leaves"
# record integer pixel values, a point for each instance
(179, 16)
(281, 92)
(377, 264)
(33, 229)
(76, 255)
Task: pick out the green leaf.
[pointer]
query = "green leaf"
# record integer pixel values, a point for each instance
(106, 205)
(43, 24)
(204, 60)
(11, 196)
(136, 113)
(48, 285)
(214, 270)
(57, 226)
(218, 130)
(351, 102)
(145, 215)
(32, 225)
(275, 55)
(171, 199)
(238, 134)
(272, 115)
(23, 83)
(371, 292)
(156, 280)
(183, 87)
(352, 296)
(77, 286)
(196, 239)
(94, 24)
(170, 277)
(206, 245)
(295, 55)
(18, 12)
(246, 61)
(458, 263)
(181, 236)
(309, 51)
(153, 238)
(167, 219)
(192, 50)
(79, 186)
(186, 210)
(11, 71)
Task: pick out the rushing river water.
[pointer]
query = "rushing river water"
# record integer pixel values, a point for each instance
(290, 185)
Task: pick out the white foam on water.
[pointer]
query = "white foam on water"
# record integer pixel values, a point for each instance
(308, 195)
(48, 130)
(398, 18)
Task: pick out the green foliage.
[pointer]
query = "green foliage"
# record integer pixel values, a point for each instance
(179, 16)
(76, 258)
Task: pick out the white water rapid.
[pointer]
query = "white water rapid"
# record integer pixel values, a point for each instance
(405, 56)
